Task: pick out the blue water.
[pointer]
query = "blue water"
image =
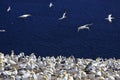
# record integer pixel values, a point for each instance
(44, 35)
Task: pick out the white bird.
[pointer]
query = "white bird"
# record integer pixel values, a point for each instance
(109, 18)
(63, 16)
(25, 16)
(12, 62)
(2, 30)
(86, 26)
(9, 9)
(51, 5)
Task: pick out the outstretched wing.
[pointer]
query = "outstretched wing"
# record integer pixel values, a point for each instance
(50, 5)
(60, 18)
(110, 15)
(9, 8)
(110, 20)
(88, 24)
(25, 15)
(64, 14)
(80, 27)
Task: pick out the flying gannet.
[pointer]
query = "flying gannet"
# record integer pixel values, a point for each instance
(63, 16)
(2, 30)
(9, 9)
(86, 26)
(51, 5)
(109, 18)
(25, 16)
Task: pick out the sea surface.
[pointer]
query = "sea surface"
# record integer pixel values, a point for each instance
(45, 35)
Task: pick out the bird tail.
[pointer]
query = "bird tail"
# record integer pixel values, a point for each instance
(113, 17)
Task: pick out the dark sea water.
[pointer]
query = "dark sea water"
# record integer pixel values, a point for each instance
(45, 35)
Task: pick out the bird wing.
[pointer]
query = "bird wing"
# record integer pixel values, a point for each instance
(87, 28)
(83, 27)
(50, 4)
(80, 27)
(9, 8)
(110, 20)
(88, 24)
(110, 15)
(60, 18)
(28, 14)
(25, 15)
(21, 16)
(64, 14)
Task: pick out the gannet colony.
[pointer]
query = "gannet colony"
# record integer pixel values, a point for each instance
(21, 67)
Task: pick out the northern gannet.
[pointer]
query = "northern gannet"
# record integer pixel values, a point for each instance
(25, 16)
(12, 62)
(26, 75)
(12, 54)
(70, 77)
(51, 5)
(14, 71)
(2, 30)
(9, 9)
(12, 78)
(109, 18)
(91, 76)
(63, 16)
(86, 26)
(34, 76)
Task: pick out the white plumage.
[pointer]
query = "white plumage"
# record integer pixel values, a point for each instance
(9, 9)
(109, 18)
(25, 16)
(63, 16)
(51, 5)
(84, 27)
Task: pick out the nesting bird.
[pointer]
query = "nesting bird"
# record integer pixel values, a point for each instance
(1, 62)
(60, 68)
